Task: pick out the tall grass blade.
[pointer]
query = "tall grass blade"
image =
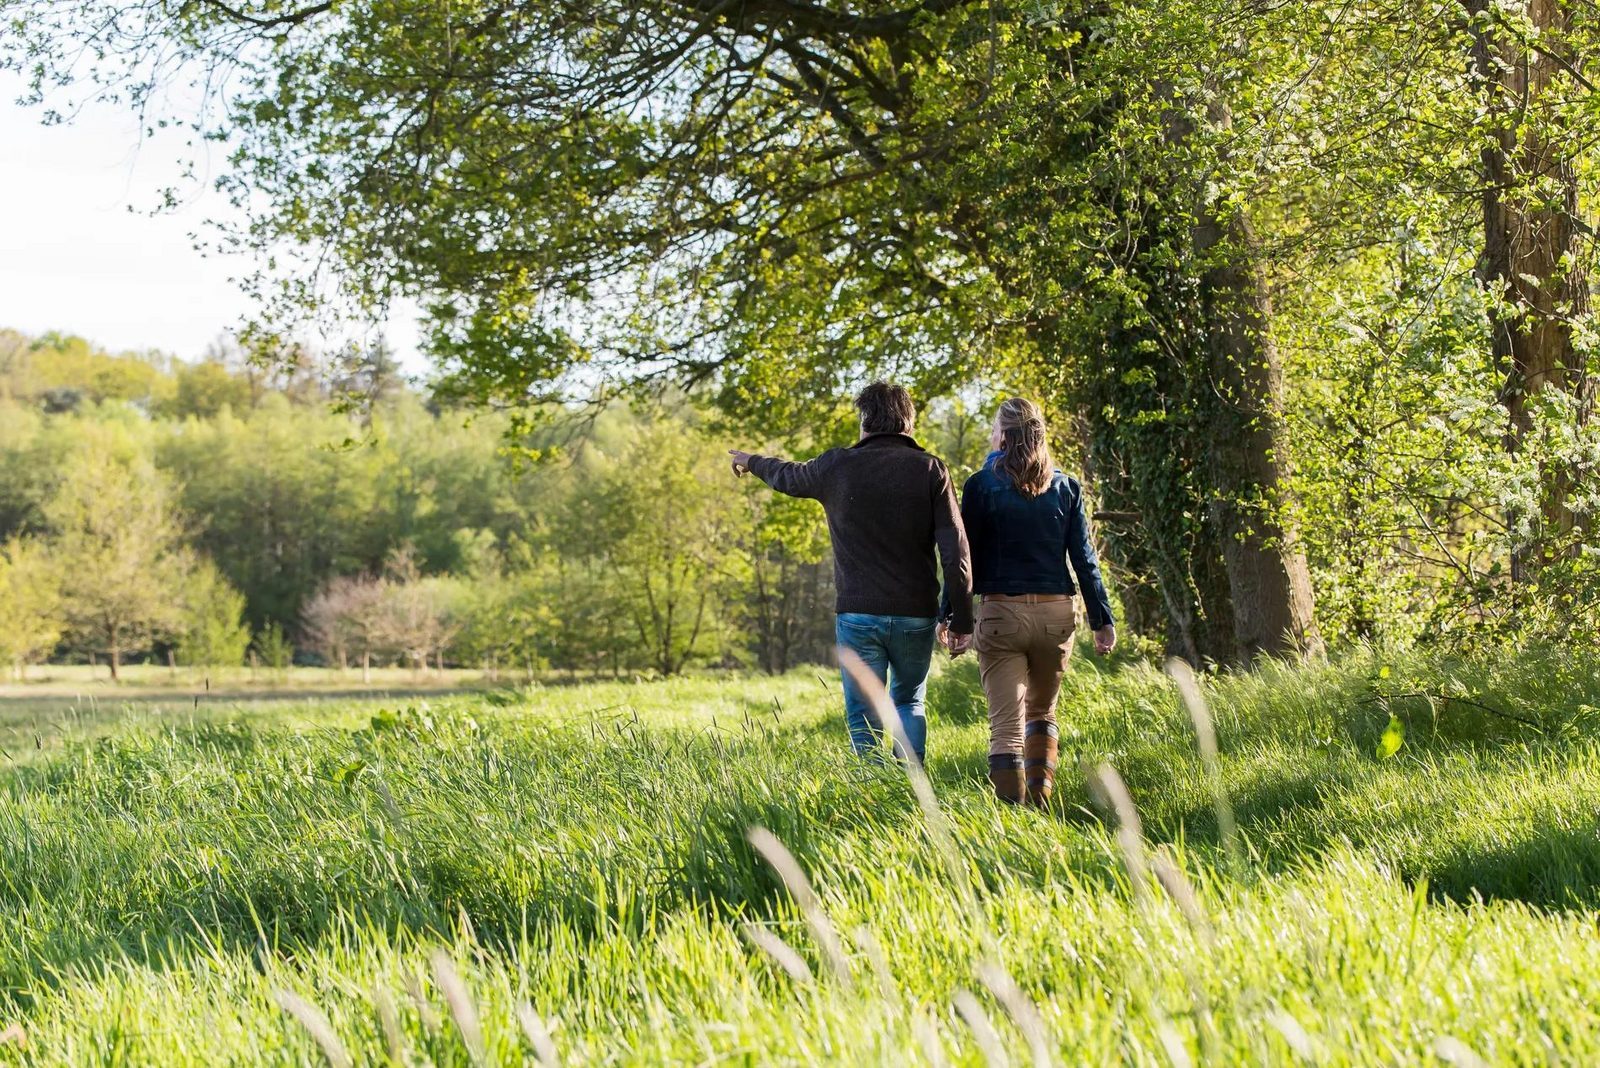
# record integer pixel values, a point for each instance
(782, 953)
(1293, 1034)
(777, 854)
(941, 834)
(928, 1039)
(316, 1025)
(1109, 789)
(1206, 741)
(538, 1035)
(1453, 1051)
(1172, 879)
(872, 949)
(389, 1021)
(1023, 1012)
(460, 1003)
(425, 1009)
(933, 816)
(1172, 1043)
(983, 1032)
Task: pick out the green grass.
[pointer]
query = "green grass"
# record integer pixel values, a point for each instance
(582, 850)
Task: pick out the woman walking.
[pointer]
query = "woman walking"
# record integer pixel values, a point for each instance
(1025, 522)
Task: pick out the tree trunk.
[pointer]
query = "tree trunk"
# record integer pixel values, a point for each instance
(116, 663)
(1269, 581)
(1532, 265)
(1186, 407)
(366, 666)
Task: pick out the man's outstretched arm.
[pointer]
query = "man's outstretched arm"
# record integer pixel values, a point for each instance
(786, 476)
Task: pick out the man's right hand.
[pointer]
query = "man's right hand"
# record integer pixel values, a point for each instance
(955, 644)
(741, 462)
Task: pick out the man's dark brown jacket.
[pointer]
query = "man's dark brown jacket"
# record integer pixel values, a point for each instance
(889, 504)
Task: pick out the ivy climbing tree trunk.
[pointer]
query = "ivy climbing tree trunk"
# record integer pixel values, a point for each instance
(1143, 455)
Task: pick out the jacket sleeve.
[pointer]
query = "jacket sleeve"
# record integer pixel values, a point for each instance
(806, 479)
(1085, 564)
(951, 536)
(969, 505)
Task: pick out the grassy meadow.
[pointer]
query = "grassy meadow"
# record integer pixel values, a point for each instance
(563, 873)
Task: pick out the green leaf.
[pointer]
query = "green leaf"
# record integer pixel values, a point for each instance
(347, 774)
(1394, 735)
(1383, 672)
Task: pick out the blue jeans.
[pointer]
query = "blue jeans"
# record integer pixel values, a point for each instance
(897, 647)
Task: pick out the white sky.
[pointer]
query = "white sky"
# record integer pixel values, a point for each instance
(73, 258)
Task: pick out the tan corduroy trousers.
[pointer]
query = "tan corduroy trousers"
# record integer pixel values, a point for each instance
(1023, 644)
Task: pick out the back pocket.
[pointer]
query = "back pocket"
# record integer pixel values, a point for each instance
(994, 624)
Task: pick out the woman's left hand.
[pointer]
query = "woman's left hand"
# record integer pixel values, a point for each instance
(1105, 639)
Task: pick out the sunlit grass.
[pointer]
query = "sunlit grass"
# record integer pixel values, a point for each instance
(84, 679)
(582, 853)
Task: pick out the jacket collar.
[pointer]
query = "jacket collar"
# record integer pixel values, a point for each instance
(876, 440)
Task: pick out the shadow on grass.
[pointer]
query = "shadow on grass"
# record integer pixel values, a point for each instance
(1295, 813)
(1552, 867)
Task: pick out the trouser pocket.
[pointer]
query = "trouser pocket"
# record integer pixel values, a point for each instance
(1058, 622)
(998, 627)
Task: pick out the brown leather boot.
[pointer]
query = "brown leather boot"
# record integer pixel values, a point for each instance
(1039, 760)
(1005, 775)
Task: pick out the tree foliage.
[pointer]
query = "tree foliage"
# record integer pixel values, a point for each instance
(211, 631)
(401, 531)
(1306, 285)
(118, 545)
(30, 603)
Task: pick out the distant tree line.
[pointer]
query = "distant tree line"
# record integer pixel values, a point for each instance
(152, 508)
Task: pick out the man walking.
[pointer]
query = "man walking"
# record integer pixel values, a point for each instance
(889, 505)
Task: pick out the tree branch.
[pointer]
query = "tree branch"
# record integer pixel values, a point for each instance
(291, 18)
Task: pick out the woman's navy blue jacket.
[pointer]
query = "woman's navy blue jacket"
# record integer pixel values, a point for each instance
(1023, 544)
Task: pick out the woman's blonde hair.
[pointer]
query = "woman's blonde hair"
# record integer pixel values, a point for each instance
(1024, 450)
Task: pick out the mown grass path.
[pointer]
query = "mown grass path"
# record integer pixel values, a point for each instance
(168, 886)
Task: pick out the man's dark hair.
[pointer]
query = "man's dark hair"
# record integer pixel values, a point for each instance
(886, 409)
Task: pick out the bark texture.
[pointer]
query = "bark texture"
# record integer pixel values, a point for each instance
(1268, 577)
(1533, 262)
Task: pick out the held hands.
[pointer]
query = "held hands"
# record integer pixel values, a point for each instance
(956, 644)
(1105, 639)
(741, 462)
